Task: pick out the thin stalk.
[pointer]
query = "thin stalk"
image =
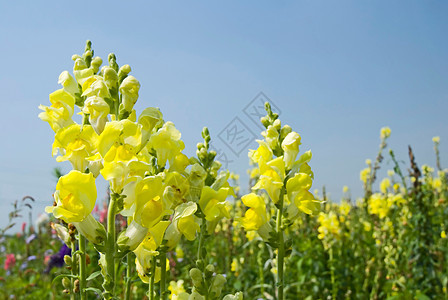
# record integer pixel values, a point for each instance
(260, 270)
(73, 271)
(163, 293)
(281, 246)
(151, 290)
(82, 266)
(109, 279)
(129, 265)
(333, 278)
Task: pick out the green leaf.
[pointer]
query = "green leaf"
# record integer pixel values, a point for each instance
(93, 275)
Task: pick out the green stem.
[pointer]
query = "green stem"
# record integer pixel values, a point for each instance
(73, 272)
(260, 269)
(109, 279)
(163, 293)
(82, 267)
(333, 278)
(281, 246)
(129, 265)
(151, 281)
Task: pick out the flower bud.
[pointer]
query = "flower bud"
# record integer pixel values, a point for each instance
(123, 72)
(110, 77)
(96, 64)
(264, 121)
(196, 277)
(129, 91)
(285, 131)
(62, 232)
(218, 284)
(68, 260)
(66, 282)
(277, 124)
(209, 270)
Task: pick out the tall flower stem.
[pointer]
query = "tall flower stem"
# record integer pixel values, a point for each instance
(82, 266)
(109, 279)
(163, 293)
(129, 266)
(281, 245)
(73, 271)
(151, 280)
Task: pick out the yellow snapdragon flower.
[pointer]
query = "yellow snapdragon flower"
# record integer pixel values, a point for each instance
(184, 222)
(59, 114)
(75, 197)
(76, 144)
(256, 215)
(214, 205)
(167, 143)
(290, 146)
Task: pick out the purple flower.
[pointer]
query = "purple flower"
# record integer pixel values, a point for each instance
(30, 238)
(57, 260)
(32, 257)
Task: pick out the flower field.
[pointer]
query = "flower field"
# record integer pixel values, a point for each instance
(179, 227)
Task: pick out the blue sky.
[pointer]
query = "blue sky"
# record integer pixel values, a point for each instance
(338, 71)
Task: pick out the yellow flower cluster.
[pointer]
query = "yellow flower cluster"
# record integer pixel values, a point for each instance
(157, 187)
(281, 175)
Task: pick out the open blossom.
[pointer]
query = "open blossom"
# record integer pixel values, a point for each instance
(10, 261)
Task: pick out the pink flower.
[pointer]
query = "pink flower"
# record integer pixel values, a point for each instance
(10, 261)
(23, 226)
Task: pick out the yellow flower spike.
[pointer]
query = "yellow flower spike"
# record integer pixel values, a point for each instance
(97, 109)
(263, 152)
(75, 197)
(68, 83)
(167, 143)
(364, 175)
(255, 216)
(436, 139)
(76, 145)
(378, 205)
(385, 184)
(290, 146)
(345, 208)
(385, 133)
(129, 89)
(443, 234)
